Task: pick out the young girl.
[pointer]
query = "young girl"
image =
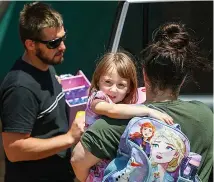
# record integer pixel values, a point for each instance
(113, 90)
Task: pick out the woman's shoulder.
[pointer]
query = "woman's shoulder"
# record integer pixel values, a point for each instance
(198, 105)
(195, 110)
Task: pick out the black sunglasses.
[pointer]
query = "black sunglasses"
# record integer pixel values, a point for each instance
(52, 44)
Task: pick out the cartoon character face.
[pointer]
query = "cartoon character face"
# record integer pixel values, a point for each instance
(162, 151)
(147, 132)
(124, 177)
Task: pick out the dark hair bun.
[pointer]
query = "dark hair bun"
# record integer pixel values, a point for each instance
(173, 35)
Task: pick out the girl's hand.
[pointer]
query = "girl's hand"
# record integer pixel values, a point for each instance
(161, 116)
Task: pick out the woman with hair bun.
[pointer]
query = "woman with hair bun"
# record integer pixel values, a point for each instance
(168, 60)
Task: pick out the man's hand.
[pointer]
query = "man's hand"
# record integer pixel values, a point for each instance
(77, 128)
(22, 147)
(58, 79)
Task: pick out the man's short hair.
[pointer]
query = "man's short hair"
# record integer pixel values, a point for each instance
(35, 17)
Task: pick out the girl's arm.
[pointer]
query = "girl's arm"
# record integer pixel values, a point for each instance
(126, 111)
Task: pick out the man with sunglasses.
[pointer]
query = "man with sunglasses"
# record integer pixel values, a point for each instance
(36, 135)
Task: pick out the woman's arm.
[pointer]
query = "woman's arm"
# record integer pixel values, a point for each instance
(81, 161)
(126, 111)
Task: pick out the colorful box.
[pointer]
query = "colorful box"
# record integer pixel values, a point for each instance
(76, 93)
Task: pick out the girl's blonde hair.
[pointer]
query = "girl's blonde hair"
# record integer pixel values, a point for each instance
(176, 141)
(126, 69)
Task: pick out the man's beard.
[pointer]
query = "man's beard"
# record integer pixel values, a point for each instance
(47, 60)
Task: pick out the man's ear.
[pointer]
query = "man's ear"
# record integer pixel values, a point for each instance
(29, 44)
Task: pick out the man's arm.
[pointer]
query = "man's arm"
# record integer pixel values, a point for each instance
(18, 115)
(21, 147)
(82, 160)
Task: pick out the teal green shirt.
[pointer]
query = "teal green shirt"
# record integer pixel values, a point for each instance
(196, 121)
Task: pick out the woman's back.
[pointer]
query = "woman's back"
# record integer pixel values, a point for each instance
(194, 117)
(196, 121)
